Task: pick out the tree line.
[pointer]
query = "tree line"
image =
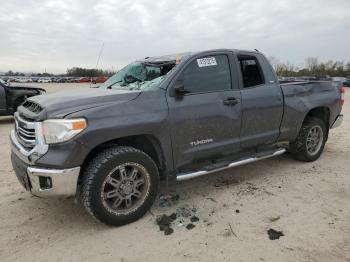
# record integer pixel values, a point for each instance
(78, 71)
(312, 67)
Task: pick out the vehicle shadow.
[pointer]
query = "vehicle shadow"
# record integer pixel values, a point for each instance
(66, 214)
(209, 184)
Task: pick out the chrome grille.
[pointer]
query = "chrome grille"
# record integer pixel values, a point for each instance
(32, 106)
(25, 131)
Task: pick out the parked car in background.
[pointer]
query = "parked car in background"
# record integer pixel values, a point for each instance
(35, 79)
(343, 81)
(64, 80)
(84, 80)
(99, 80)
(23, 80)
(5, 80)
(12, 96)
(324, 78)
(44, 80)
(55, 79)
(73, 80)
(346, 83)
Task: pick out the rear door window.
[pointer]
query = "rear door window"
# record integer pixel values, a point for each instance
(251, 71)
(208, 74)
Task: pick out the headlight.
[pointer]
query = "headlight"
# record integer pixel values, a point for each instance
(61, 130)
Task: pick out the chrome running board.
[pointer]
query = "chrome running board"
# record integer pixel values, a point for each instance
(186, 176)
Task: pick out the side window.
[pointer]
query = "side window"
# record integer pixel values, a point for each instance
(208, 74)
(251, 71)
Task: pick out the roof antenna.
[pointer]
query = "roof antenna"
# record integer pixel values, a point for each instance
(99, 55)
(98, 59)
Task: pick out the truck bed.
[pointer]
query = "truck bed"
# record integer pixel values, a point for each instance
(300, 97)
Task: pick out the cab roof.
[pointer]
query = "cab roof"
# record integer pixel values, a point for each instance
(185, 55)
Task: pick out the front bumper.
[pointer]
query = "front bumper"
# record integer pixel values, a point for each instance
(41, 181)
(53, 182)
(338, 121)
(45, 182)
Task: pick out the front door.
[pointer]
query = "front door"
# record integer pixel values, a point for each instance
(205, 122)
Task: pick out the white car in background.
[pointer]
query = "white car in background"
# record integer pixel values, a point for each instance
(44, 80)
(23, 79)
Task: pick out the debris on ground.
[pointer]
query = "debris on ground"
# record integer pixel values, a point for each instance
(165, 220)
(233, 233)
(168, 200)
(249, 190)
(237, 211)
(173, 216)
(190, 226)
(225, 181)
(179, 223)
(183, 216)
(184, 212)
(252, 189)
(251, 186)
(274, 219)
(164, 223)
(274, 234)
(168, 231)
(194, 219)
(227, 233)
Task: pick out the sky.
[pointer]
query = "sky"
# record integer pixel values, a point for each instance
(53, 35)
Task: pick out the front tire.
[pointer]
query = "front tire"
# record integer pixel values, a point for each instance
(311, 140)
(119, 185)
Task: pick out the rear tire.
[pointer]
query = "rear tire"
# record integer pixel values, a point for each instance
(119, 185)
(311, 140)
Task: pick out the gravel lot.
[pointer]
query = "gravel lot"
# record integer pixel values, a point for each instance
(308, 202)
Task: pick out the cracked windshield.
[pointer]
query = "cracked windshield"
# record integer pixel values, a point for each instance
(136, 76)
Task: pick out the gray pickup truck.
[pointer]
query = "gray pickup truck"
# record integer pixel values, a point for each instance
(174, 117)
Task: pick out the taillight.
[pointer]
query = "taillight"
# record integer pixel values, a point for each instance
(342, 95)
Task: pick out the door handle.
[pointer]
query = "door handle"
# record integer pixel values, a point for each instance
(231, 101)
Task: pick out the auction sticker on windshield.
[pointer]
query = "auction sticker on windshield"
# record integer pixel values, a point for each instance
(206, 61)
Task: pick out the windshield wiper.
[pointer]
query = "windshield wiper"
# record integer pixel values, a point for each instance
(110, 87)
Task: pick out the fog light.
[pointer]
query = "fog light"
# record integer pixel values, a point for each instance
(45, 182)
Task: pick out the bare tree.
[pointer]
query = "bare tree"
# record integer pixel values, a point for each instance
(311, 63)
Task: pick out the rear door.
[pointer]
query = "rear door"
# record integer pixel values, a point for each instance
(262, 101)
(205, 122)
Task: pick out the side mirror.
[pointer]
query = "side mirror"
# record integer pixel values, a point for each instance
(179, 88)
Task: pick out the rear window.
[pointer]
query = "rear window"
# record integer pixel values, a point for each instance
(251, 71)
(208, 74)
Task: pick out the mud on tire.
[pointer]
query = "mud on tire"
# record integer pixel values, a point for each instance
(119, 185)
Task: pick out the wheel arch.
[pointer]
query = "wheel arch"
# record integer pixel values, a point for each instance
(146, 143)
(321, 112)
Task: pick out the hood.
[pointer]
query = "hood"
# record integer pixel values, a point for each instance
(63, 103)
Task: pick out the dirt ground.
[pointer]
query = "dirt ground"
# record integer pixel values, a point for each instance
(308, 202)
